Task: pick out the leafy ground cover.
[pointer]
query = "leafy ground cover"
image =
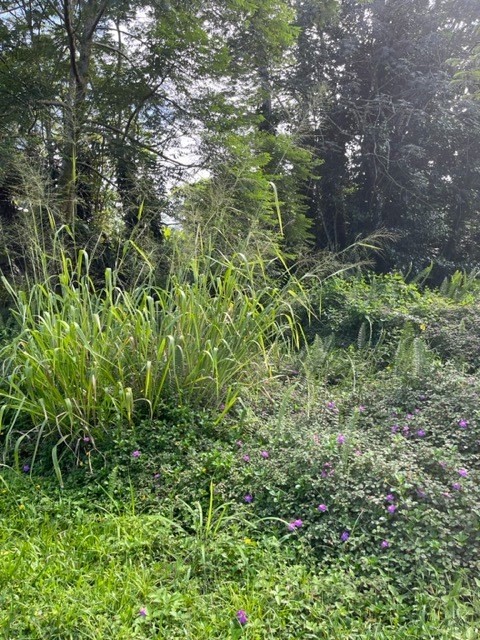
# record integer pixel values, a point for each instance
(68, 570)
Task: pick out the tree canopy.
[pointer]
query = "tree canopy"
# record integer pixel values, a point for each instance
(360, 115)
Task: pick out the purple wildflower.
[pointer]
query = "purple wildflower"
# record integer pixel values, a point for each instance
(422, 398)
(26, 468)
(362, 408)
(409, 416)
(358, 452)
(345, 536)
(395, 428)
(341, 439)
(156, 476)
(242, 617)
(143, 612)
(463, 473)
(322, 507)
(456, 486)
(295, 524)
(248, 498)
(417, 410)
(332, 406)
(390, 497)
(385, 544)
(463, 424)
(406, 430)
(421, 433)
(86, 439)
(265, 455)
(239, 443)
(136, 454)
(391, 508)
(246, 458)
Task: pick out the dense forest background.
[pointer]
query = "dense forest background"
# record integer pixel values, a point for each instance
(364, 116)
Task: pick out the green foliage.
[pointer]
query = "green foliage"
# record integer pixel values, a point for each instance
(455, 335)
(402, 442)
(87, 357)
(461, 286)
(68, 572)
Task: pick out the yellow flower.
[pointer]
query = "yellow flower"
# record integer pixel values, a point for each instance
(21, 506)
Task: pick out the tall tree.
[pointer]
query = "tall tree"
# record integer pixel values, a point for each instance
(399, 142)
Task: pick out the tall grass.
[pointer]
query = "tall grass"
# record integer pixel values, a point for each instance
(90, 355)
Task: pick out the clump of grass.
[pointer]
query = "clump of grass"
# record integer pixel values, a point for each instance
(89, 356)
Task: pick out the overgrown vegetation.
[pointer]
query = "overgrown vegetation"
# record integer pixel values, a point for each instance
(222, 460)
(255, 421)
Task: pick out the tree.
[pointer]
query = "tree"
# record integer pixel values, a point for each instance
(398, 141)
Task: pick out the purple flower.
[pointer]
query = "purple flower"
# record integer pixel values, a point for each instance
(361, 408)
(417, 410)
(422, 398)
(248, 498)
(242, 617)
(395, 428)
(456, 486)
(385, 544)
(390, 497)
(26, 468)
(296, 524)
(345, 536)
(463, 424)
(421, 433)
(322, 507)
(406, 430)
(332, 406)
(246, 458)
(391, 508)
(358, 452)
(136, 454)
(341, 439)
(156, 476)
(265, 455)
(463, 473)
(239, 443)
(86, 439)
(143, 612)
(409, 416)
